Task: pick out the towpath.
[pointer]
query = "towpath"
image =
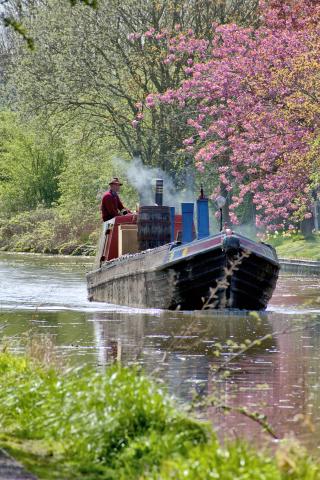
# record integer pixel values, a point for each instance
(10, 469)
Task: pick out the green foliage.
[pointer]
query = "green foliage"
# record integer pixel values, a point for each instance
(296, 246)
(235, 461)
(50, 231)
(110, 420)
(294, 462)
(118, 424)
(30, 165)
(50, 190)
(20, 29)
(78, 90)
(87, 69)
(86, 174)
(90, 3)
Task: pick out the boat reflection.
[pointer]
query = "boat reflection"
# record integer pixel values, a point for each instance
(271, 378)
(131, 338)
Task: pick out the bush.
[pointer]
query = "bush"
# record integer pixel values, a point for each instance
(113, 420)
(120, 425)
(47, 230)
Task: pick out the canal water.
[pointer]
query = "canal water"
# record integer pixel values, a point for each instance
(279, 377)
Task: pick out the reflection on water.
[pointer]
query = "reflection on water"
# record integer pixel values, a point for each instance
(296, 295)
(280, 377)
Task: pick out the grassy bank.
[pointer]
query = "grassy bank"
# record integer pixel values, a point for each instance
(51, 230)
(120, 425)
(296, 246)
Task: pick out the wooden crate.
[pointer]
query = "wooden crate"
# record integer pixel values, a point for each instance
(128, 239)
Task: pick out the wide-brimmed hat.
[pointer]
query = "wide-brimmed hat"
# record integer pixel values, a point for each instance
(115, 181)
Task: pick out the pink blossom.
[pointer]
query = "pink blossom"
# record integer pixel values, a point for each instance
(188, 141)
(240, 96)
(150, 33)
(170, 59)
(190, 148)
(234, 219)
(134, 36)
(150, 101)
(188, 70)
(202, 134)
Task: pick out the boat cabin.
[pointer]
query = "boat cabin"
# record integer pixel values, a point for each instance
(120, 234)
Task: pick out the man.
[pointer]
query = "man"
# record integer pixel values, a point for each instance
(111, 205)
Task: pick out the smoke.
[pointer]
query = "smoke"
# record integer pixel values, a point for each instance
(143, 179)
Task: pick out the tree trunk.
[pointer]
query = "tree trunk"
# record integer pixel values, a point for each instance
(307, 226)
(225, 209)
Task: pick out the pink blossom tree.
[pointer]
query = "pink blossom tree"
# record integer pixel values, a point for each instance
(252, 102)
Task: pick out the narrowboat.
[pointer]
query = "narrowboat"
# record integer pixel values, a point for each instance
(156, 259)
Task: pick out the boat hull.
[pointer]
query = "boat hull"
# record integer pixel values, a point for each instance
(201, 274)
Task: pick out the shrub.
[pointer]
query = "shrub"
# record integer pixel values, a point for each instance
(118, 424)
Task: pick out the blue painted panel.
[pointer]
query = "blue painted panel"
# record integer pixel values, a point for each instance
(203, 218)
(187, 222)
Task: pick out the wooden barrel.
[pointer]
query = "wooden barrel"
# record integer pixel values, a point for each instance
(154, 227)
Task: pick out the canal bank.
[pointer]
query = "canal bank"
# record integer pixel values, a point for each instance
(299, 267)
(125, 426)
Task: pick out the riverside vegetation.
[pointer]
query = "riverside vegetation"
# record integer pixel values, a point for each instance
(49, 191)
(294, 245)
(168, 79)
(56, 156)
(118, 424)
